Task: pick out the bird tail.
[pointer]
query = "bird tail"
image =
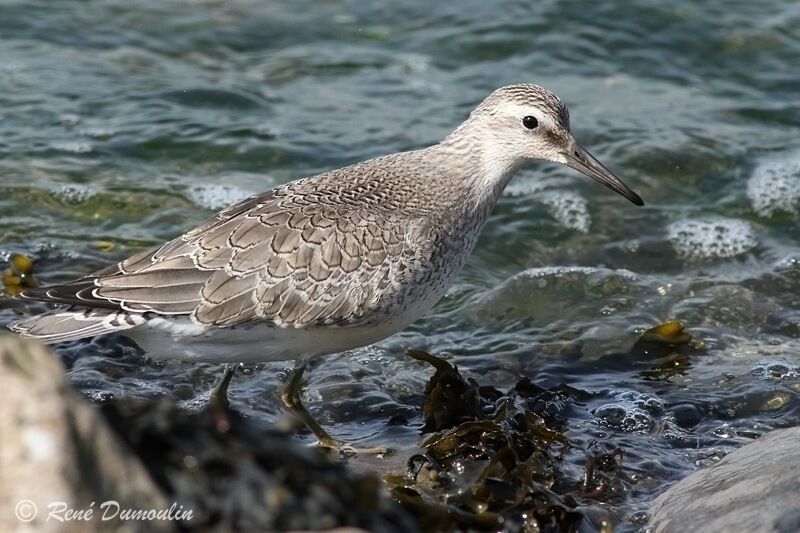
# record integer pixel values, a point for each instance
(69, 325)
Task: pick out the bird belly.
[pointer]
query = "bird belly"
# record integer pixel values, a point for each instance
(179, 338)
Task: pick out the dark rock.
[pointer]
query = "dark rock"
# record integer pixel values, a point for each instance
(237, 476)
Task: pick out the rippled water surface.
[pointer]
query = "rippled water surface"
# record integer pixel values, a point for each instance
(124, 123)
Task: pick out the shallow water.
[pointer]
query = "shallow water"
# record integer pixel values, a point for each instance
(124, 123)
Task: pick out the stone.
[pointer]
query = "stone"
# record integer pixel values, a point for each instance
(755, 489)
(57, 453)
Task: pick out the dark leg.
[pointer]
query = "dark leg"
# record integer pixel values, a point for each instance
(291, 398)
(219, 396)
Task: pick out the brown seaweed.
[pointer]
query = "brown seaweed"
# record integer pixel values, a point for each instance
(668, 348)
(489, 461)
(18, 276)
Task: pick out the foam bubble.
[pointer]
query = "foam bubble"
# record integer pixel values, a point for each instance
(575, 271)
(216, 196)
(631, 411)
(775, 186)
(711, 237)
(525, 185)
(569, 208)
(74, 193)
(74, 147)
(100, 134)
(775, 369)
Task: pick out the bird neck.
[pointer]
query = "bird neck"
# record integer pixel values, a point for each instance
(484, 166)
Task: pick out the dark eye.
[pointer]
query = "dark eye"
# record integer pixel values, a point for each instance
(530, 122)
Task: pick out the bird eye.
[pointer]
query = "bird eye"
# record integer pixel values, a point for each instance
(530, 122)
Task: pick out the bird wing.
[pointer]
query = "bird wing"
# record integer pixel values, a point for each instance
(291, 259)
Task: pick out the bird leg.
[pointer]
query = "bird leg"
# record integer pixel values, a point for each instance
(219, 396)
(291, 398)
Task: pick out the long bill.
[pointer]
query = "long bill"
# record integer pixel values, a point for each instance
(585, 163)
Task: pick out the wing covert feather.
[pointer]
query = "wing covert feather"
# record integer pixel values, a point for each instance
(267, 258)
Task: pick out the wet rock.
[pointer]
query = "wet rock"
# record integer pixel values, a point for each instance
(726, 306)
(239, 476)
(54, 447)
(559, 295)
(753, 489)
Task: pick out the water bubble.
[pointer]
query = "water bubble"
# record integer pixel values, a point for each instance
(770, 370)
(775, 186)
(69, 120)
(790, 261)
(74, 147)
(183, 391)
(100, 134)
(216, 195)
(687, 415)
(623, 418)
(74, 193)
(631, 411)
(194, 404)
(639, 518)
(525, 186)
(723, 432)
(99, 396)
(711, 237)
(248, 369)
(266, 131)
(314, 395)
(568, 208)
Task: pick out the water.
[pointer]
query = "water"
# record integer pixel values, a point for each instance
(124, 123)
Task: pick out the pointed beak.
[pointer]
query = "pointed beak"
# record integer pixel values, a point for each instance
(585, 163)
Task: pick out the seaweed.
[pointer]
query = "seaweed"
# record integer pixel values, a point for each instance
(667, 350)
(602, 475)
(18, 276)
(489, 461)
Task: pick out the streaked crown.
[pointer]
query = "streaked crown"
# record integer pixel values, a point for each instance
(527, 94)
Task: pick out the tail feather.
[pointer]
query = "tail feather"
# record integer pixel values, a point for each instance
(66, 325)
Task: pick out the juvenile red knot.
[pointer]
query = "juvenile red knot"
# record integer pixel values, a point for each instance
(323, 264)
